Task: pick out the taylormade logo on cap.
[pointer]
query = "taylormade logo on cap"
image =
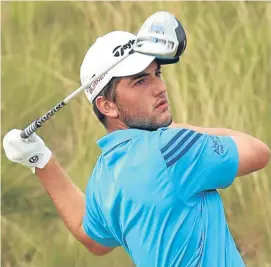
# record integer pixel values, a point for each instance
(110, 50)
(119, 50)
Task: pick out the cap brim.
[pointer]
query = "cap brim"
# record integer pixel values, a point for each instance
(133, 64)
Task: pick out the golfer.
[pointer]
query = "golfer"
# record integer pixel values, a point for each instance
(153, 190)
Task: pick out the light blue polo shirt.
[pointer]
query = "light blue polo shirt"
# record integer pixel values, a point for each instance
(154, 194)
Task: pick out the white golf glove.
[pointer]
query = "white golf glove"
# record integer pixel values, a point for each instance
(31, 152)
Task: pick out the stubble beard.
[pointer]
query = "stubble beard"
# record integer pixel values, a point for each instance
(135, 120)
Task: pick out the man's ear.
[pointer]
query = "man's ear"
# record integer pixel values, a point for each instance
(107, 107)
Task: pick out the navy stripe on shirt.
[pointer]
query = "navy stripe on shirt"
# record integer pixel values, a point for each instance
(178, 146)
(182, 153)
(173, 140)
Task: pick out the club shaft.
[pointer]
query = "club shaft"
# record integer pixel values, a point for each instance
(30, 129)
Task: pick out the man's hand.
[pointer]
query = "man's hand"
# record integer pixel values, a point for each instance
(67, 197)
(31, 152)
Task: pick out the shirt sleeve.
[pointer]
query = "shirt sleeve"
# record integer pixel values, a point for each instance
(198, 162)
(94, 223)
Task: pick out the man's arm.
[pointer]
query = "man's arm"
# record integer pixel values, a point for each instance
(253, 153)
(69, 202)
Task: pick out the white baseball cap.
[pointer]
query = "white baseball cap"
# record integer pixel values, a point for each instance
(106, 51)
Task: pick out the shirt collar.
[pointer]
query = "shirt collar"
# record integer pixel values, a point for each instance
(110, 140)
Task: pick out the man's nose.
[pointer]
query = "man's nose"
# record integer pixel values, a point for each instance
(159, 86)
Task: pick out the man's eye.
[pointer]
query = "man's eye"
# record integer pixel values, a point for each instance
(158, 73)
(140, 82)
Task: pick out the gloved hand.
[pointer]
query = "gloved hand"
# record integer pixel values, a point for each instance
(31, 152)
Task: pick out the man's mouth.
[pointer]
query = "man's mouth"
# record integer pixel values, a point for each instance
(162, 104)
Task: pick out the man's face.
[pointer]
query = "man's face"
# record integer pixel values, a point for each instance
(142, 100)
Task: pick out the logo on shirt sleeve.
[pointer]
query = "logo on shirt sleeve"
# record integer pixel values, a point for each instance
(217, 146)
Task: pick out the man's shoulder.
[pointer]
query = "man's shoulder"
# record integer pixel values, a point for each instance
(149, 140)
(140, 146)
(135, 146)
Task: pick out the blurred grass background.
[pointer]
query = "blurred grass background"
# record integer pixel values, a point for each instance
(223, 80)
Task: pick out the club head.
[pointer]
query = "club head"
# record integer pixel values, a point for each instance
(155, 46)
(162, 36)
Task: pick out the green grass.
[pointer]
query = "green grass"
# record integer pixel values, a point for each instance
(223, 80)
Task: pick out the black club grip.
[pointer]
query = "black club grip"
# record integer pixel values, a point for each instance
(38, 123)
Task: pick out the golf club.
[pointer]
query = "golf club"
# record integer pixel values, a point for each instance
(161, 35)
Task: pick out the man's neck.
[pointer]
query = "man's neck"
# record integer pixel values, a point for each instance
(114, 126)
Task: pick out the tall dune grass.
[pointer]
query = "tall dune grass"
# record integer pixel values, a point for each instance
(223, 80)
